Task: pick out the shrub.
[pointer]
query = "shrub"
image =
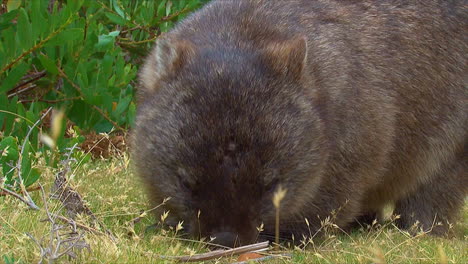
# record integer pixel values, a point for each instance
(77, 56)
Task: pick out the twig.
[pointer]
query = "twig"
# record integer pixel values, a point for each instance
(171, 16)
(219, 253)
(84, 227)
(27, 198)
(52, 251)
(138, 42)
(50, 101)
(31, 204)
(33, 77)
(30, 87)
(28, 189)
(131, 29)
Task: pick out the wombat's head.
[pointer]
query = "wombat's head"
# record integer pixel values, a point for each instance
(219, 128)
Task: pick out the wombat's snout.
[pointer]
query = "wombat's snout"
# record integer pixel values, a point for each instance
(234, 239)
(227, 239)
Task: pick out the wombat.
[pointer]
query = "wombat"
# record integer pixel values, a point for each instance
(349, 105)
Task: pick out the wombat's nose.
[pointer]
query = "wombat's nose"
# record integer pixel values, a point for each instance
(227, 239)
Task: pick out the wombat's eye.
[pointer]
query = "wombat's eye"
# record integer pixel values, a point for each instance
(185, 184)
(271, 186)
(182, 177)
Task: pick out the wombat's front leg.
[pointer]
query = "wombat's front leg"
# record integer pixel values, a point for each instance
(434, 204)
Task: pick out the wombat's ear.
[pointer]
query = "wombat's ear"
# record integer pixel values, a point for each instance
(287, 57)
(167, 57)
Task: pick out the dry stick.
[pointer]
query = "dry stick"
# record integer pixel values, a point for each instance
(51, 218)
(84, 227)
(36, 76)
(30, 204)
(5, 193)
(29, 88)
(93, 106)
(219, 253)
(195, 241)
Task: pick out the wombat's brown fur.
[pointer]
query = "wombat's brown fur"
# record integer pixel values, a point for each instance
(349, 105)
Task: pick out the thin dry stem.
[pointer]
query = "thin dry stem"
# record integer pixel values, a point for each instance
(27, 198)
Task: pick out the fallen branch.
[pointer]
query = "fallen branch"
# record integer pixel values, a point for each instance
(219, 253)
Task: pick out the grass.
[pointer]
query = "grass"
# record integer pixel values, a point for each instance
(115, 196)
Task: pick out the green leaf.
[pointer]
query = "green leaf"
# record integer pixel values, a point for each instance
(31, 177)
(103, 127)
(24, 33)
(68, 35)
(121, 106)
(131, 114)
(106, 41)
(9, 45)
(116, 19)
(13, 77)
(48, 64)
(13, 4)
(5, 19)
(114, 33)
(193, 4)
(25, 161)
(9, 155)
(8, 118)
(74, 5)
(117, 8)
(182, 4)
(161, 8)
(38, 22)
(168, 8)
(8, 149)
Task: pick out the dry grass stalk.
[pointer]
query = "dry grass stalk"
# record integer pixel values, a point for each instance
(277, 197)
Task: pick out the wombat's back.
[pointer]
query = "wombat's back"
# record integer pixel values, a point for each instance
(391, 79)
